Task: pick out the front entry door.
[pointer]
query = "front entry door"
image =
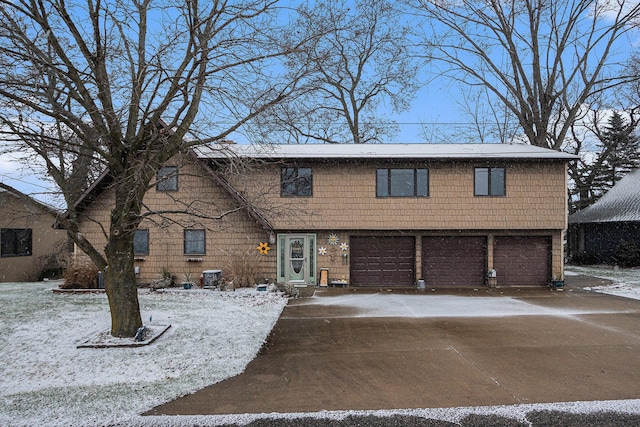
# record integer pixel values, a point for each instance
(296, 248)
(296, 254)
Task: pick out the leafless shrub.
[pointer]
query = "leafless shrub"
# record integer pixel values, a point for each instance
(241, 268)
(52, 265)
(80, 276)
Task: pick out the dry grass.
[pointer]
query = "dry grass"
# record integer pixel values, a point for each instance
(80, 276)
(241, 268)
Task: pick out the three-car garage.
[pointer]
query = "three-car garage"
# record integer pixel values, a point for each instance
(449, 261)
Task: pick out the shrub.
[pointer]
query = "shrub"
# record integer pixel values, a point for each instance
(241, 268)
(80, 276)
(584, 258)
(52, 264)
(52, 267)
(627, 254)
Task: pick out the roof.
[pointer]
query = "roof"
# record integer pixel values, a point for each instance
(620, 204)
(42, 207)
(382, 151)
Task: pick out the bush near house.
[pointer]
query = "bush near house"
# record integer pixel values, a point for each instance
(241, 269)
(80, 276)
(627, 254)
(585, 258)
(52, 265)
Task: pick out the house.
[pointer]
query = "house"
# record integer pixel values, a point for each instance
(596, 231)
(30, 245)
(384, 215)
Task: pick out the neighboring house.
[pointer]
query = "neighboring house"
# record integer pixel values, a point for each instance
(30, 244)
(384, 215)
(597, 230)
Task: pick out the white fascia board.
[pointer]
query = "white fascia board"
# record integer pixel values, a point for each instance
(381, 151)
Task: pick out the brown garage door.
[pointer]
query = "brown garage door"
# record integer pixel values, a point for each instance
(382, 261)
(522, 260)
(454, 260)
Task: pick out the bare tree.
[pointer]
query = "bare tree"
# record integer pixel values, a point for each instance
(542, 59)
(363, 61)
(122, 83)
(488, 122)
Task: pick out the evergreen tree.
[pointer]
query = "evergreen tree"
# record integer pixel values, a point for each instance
(619, 153)
(622, 148)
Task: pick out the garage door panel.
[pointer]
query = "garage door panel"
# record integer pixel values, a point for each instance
(522, 260)
(454, 260)
(382, 261)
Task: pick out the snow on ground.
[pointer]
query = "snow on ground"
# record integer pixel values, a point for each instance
(626, 281)
(452, 415)
(398, 305)
(48, 381)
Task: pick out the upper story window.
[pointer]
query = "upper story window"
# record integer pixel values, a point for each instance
(16, 242)
(194, 242)
(167, 179)
(402, 183)
(490, 182)
(141, 242)
(296, 181)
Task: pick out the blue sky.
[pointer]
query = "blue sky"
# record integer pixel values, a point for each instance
(438, 106)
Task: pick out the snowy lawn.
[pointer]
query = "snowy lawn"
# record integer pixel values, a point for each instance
(46, 380)
(626, 281)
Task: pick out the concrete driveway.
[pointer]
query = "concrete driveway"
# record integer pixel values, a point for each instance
(366, 350)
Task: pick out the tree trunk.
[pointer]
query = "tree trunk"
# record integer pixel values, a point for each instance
(121, 286)
(120, 278)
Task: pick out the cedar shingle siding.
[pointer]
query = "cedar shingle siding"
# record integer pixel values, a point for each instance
(343, 202)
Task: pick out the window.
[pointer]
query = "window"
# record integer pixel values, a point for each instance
(296, 182)
(167, 179)
(402, 183)
(194, 242)
(16, 242)
(490, 182)
(141, 242)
